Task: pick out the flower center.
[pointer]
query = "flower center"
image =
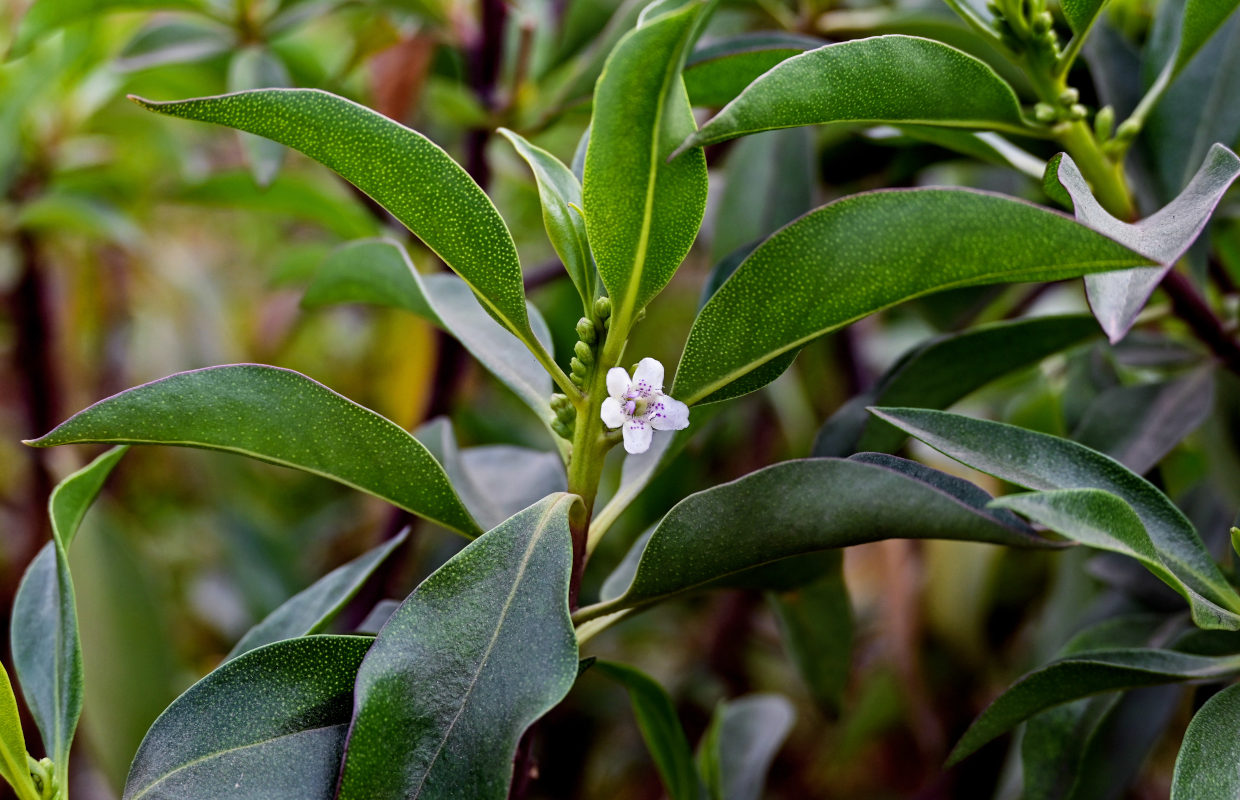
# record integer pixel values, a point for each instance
(636, 404)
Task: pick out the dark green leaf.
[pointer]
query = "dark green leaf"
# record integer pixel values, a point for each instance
(768, 184)
(945, 369)
(737, 749)
(1201, 19)
(1117, 298)
(1206, 766)
(268, 725)
(47, 650)
(308, 611)
(1081, 14)
(816, 625)
(1041, 462)
(661, 730)
(379, 272)
(282, 417)
(888, 79)
(1083, 676)
(717, 73)
(401, 169)
(800, 507)
(477, 653)
(643, 213)
(560, 194)
(864, 253)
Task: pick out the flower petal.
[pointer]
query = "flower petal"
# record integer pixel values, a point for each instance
(667, 414)
(637, 436)
(612, 413)
(617, 382)
(648, 377)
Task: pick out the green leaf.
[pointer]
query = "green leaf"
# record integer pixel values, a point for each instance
(737, 749)
(660, 727)
(174, 41)
(1041, 462)
(865, 253)
(1201, 19)
(48, 16)
(309, 611)
(13, 764)
(282, 417)
(643, 213)
(1083, 676)
(560, 194)
(1205, 769)
(1101, 520)
(477, 653)
(401, 169)
(800, 507)
(945, 369)
(379, 272)
(889, 79)
(47, 650)
(1081, 14)
(268, 725)
(717, 73)
(255, 67)
(768, 184)
(1163, 237)
(816, 625)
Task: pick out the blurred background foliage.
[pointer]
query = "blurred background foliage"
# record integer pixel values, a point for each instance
(133, 246)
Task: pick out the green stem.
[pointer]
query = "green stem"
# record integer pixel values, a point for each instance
(977, 24)
(561, 380)
(1106, 177)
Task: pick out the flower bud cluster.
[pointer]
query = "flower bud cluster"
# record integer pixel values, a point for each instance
(1021, 31)
(565, 419)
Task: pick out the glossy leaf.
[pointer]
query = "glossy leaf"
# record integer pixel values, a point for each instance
(1205, 769)
(801, 507)
(1201, 19)
(1139, 425)
(47, 650)
(883, 79)
(255, 67)
(1100, 519)
(642, 212)
(816, 625)
(401, 169)
(1118, 297)
(13, 765)
(560, 194)
(311, 609)
(716, 73)
(282, 417)
(1082, 676)
(865, 253)
(660, 727)
(1041, 462)
(268, 725)
(479, 651)
(737, 750)
(945, 369)
(379, 272)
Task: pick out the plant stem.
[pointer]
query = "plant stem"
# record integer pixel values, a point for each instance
(1106, 177)
(1191, 307)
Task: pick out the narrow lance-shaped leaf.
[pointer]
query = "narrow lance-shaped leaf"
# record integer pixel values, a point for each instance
(1116, 298)
(737, 749)
(269, 724)
(401, 169)
(1042, 462)
(716, 73)
(282, 417)
(865, 253)
(661, 730)
(883, 79)
(1100, 519)
(379, 272)
(560, 194)
(480, 650)
(945, 369)
(1084, 675)
(308, 611)
(1205, 769)
(643, 213)
(800, 507)
(47, 650)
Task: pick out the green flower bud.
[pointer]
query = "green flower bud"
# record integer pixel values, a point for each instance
(1042, 22)
(1069, 96)
(585, 331)
(1045, 112)
(558, 401)
(1127, 130)
(566, 414)
(602, 307)
(1077, 112)
(584, 353)
(562, 429)
(1104, 123)
(578, 368)
(578, 380)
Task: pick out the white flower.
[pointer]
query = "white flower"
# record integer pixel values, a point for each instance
(640, 405)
